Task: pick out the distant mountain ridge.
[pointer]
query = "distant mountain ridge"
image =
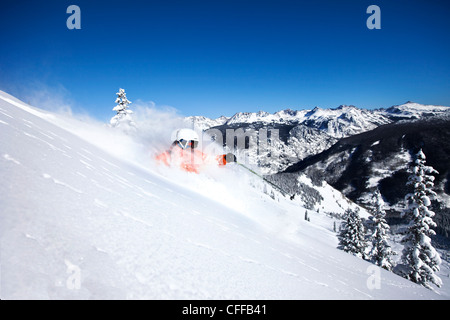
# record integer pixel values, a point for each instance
(303, 133)
(408, 110)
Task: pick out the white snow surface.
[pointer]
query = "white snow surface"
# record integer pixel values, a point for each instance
(84, 215)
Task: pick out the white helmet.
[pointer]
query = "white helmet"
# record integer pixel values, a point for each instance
(185, 138)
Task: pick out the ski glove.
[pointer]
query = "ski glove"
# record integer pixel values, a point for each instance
(230, 157)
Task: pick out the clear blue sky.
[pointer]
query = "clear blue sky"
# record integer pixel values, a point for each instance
(219, 57)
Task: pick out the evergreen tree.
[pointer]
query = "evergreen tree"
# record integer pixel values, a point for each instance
(352, 234)
(421, 258)
(381, 250)
(123, 118)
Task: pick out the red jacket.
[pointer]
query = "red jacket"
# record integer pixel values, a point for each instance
(190, 160)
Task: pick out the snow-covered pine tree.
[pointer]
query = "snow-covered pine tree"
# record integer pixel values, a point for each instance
(381, 252)
(123, 118)
(421, 258)
(352, 234)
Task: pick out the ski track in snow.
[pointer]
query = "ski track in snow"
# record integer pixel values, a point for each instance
(56, 181)
(5, 114)
(46, 142)
(87, 165)
(100, 204)
(85, 157)
(129, 216)
(9, 158)
(198, 244)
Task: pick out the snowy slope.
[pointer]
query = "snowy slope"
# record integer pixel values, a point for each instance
(80, 221)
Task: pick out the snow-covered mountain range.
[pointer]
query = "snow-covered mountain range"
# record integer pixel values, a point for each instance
(352, 116)
(87, 214)
(304, 133)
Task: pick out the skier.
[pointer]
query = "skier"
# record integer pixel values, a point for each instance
(184, 153)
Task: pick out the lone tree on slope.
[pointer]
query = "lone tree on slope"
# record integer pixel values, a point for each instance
(123, 118)
(420, 257)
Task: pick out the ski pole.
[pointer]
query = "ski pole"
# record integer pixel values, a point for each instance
(264, 179)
